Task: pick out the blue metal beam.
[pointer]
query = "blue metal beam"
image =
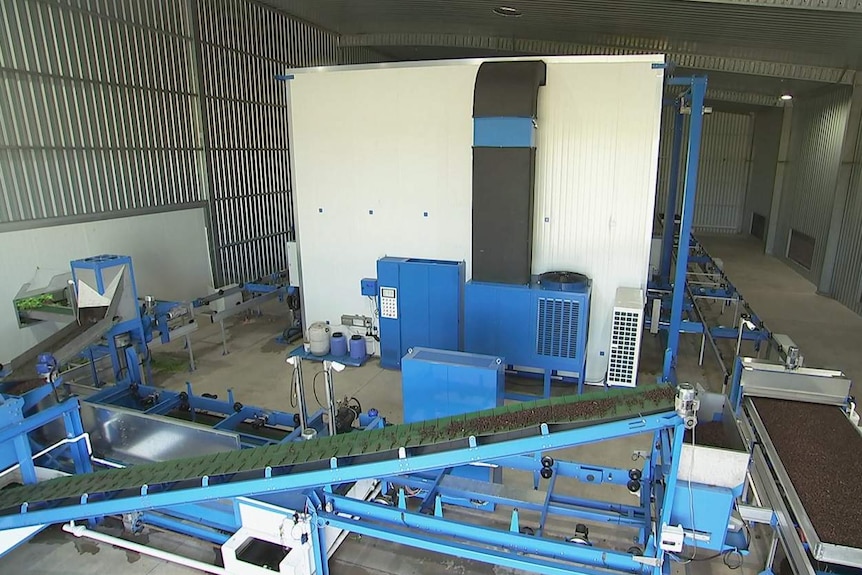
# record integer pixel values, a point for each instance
(191, 529)
(39, 419)
(597, 511)
(698, 89)
(670, 206)
(393, 520)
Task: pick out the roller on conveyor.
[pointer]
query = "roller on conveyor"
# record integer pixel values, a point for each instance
(807, 458)
(349, 457)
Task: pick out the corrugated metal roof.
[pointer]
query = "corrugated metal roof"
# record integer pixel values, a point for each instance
(833, 35)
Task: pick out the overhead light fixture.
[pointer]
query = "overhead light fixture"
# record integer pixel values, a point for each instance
(507, 12)
(786, 96)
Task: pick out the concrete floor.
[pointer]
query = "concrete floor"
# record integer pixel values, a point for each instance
(827, 333)
(256, 370)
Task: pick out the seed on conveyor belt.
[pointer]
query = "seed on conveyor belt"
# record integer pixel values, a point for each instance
(710, 434)
(822, 453)
(566, 412)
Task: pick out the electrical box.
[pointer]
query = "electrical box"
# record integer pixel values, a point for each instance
(528, 325)
(292, 264)
(369, 286)
(626, 327)
(439, 383)
(420, 304)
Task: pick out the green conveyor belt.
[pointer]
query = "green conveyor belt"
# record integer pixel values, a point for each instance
(589, 408)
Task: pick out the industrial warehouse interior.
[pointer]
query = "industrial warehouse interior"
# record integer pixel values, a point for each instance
(386, 287)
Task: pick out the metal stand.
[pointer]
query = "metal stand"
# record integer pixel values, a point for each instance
(299, 389)
(328, 366)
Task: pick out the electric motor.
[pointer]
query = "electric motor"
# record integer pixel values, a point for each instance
(344, 418)
(686, 404)
(581, 536)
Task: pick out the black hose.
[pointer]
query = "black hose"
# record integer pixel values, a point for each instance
(293, 390)
(314, 387)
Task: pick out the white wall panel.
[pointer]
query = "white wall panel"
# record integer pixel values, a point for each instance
(764, 163)
(597, 150)
(725, 159)
(816, 137)
(168, 250)
(398, 141)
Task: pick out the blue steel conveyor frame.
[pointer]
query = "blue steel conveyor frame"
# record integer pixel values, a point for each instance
(680, 249)
(330, 461)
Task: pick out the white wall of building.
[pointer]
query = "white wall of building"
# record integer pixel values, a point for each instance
(376, 149)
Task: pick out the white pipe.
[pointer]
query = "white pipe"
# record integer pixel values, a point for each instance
(81, 531)
(107, 463)
(84, 436)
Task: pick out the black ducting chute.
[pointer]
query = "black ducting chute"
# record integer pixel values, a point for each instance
(504, 158)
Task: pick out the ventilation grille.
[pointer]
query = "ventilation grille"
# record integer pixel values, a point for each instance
(558, 328)
(622, 366)
(626, 327)
(758, 225)
(801, 249)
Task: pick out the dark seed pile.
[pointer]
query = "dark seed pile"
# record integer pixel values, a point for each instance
(710, 434)
(822, 454)
(22, 387)
(91, 315)
(564, 413)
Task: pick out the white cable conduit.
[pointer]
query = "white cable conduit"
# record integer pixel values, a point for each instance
(81, 531)
(84, 436)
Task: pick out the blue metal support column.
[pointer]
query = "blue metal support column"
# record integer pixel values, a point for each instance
(670, 207)
(78, 449)
(695, 99)
(318, 544)
(25, 462)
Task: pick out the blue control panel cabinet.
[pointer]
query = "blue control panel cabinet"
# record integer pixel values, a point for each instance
(528, 325)
(439, 383)
(421, 305)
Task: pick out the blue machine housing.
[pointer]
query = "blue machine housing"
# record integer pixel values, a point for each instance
(530, 326)
(705, 509)
(11, 413)
(437, 383)
(99, 272)
(428, 306)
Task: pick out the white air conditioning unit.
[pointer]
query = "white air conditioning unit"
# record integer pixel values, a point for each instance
(626, 330)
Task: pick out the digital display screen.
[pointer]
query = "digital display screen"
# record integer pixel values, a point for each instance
(387, 292)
